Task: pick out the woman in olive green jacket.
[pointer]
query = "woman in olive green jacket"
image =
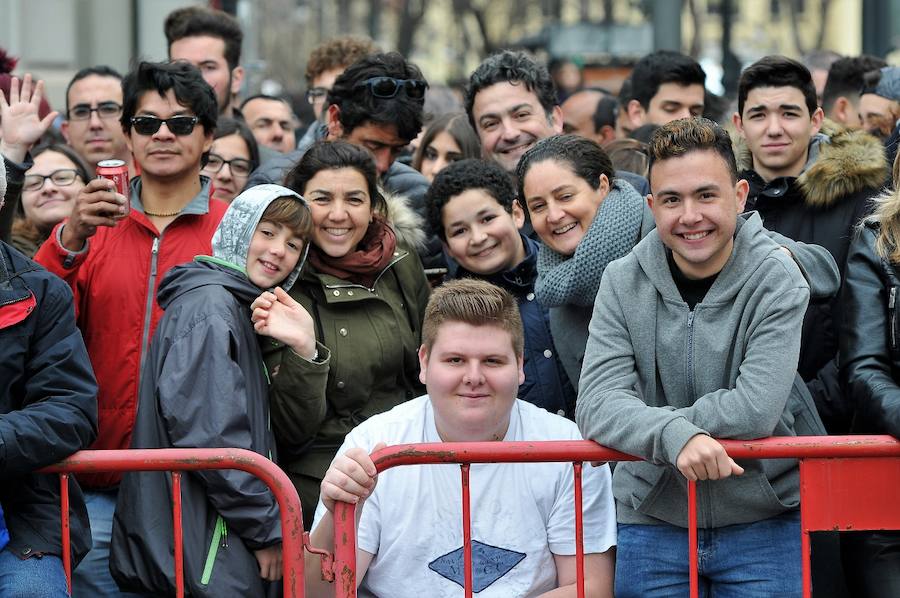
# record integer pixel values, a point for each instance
(363, 293)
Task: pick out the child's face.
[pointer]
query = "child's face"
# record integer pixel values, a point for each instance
(480, 235)
(273, 255)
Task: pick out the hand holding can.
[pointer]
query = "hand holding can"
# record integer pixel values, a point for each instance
(117, 172)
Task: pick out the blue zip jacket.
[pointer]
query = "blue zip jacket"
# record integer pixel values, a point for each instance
(546, 384)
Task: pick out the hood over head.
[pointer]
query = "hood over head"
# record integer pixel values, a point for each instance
(231, 241)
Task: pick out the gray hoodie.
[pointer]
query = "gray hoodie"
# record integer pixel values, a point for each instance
(655, 374)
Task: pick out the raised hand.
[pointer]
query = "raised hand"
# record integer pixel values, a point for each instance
(20, 125)
(277, 315)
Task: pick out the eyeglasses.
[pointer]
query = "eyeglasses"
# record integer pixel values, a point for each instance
(387, 87)
(61, 178)
(177, 125)
(103, 110)
(239, 167)
(316, 94)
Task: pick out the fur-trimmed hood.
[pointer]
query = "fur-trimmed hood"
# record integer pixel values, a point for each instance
(407, 224)
(841, 163)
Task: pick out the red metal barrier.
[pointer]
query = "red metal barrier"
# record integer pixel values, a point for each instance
(829, 466)
(179, 460)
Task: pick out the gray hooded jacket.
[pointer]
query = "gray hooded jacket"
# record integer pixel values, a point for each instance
(203, 385)
(656, 374)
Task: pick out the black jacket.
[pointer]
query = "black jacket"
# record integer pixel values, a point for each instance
(870, 337)
(48, 405)
(203, 385)
(822, 206)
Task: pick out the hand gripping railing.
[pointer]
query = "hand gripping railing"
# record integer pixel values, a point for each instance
(179, 460)
(846, 482)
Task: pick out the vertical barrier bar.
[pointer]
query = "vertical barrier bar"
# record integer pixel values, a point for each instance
(344, 550)
(692, 538)
(579, 531)
(66, 528)
(467, 528)
(806, 568)
(178, 534)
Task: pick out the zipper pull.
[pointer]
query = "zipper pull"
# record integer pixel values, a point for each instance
(154, 252)
(690, 318)
(892, 301)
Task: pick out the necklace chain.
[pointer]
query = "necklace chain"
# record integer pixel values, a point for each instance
(162, 215)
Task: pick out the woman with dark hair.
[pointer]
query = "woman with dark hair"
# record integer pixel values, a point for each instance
(48, 194)
(586, 218)
(449, 138)
(232, 157)
(364, 291)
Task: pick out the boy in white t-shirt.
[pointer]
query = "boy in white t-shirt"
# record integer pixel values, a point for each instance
(409, 530)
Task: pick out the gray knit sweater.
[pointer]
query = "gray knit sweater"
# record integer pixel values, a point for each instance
(655, 374)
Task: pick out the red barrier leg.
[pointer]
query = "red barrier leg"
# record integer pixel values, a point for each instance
(467, 528)
(66, 531)
(692, 539)
(344, 550)
(579, 531)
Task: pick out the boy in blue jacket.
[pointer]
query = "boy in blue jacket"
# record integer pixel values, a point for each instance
(472, 207)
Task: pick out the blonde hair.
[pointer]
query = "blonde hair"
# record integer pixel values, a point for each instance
(476, 302)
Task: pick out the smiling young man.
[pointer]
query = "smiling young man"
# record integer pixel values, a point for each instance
(811, 181)
(93, 108)
(409, 542)
(696, 335)
(114, 250)
(472, 205)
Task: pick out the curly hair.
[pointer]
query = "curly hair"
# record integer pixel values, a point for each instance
(461, 176)
(514, 68)
(337, 53)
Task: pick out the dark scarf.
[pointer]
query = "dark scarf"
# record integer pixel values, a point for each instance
(364, 264)
(575, 279)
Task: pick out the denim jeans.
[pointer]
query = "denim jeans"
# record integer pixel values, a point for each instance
(751, 560)
(35, 577)
(92, 577)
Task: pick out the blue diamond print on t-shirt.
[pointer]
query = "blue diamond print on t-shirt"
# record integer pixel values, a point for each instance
(489, 564)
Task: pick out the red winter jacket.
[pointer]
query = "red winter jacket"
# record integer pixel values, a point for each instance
(114, 280)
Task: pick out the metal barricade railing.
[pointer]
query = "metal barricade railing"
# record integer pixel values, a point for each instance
(846, 482)
(179, 460)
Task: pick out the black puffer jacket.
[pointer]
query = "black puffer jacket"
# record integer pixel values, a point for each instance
(822, 206)
(48, 406)
(870, 337)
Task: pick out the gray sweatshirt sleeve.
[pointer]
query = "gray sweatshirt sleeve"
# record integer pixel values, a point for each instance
(756, 404)
(815, 262)
(610, 409)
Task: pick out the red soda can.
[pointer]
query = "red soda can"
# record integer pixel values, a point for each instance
(117, 172)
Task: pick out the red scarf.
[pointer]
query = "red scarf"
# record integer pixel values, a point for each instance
(366, 262)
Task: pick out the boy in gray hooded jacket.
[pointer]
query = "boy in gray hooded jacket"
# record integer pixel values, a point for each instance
(695, 335)
(204, 384)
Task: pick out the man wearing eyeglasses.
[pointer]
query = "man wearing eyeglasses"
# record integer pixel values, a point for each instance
(114, 251)
(93, 108)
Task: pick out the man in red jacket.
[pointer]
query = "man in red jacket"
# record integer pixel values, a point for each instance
(113, 251)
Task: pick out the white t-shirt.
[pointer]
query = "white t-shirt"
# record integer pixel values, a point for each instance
(522, 513)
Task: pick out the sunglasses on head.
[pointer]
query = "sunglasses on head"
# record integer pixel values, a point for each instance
(177, 125)
(387, 87)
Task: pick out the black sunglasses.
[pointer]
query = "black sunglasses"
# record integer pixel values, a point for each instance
(387, 87)
(177, 125)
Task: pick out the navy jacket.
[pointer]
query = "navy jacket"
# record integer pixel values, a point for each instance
(546, 384)
(48, 406)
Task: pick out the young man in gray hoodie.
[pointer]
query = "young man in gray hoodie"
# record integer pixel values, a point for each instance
(695, 335)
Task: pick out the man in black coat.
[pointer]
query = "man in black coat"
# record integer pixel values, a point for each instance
(48, 410)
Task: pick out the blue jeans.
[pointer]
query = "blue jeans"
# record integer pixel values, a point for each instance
(92, 577)
(751, 560)
(35, 577)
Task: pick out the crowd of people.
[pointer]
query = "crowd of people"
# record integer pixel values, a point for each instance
(514, 261)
